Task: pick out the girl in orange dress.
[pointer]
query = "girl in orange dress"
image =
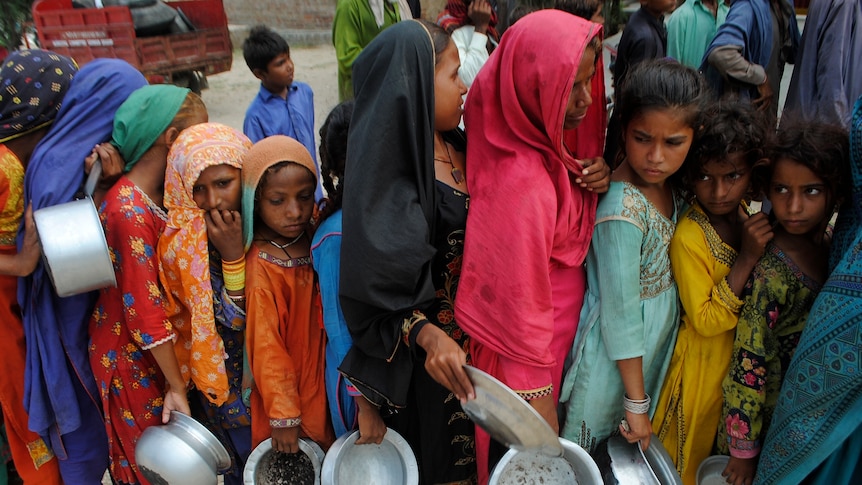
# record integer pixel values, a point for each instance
(284, 330)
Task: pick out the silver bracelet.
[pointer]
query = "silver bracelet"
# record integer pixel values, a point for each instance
(636, 406)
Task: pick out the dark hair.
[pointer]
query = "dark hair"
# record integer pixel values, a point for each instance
(333, 155)
(262, 46)
(520, 12)
(439, 37)
(731, 127)
(582, 8)
(821, 147)
(659, 84)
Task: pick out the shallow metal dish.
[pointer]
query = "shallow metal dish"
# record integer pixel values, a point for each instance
(507, 417)
(624, 463)
(180, 452)
(710, 469)
(261, 457)
(392, 462)
(525, 467)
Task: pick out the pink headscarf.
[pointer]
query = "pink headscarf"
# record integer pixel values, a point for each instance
(526, 214)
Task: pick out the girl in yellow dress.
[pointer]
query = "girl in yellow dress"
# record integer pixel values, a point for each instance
(714, 248)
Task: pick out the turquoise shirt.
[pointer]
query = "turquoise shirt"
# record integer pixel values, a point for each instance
(690, 29)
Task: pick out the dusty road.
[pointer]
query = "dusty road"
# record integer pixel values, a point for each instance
(230, 93)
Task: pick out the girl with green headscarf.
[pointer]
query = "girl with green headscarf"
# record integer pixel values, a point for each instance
(131, 337)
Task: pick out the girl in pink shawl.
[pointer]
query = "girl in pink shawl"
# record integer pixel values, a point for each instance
(532, 205)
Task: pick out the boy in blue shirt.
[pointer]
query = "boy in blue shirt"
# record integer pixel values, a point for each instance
(282, 106)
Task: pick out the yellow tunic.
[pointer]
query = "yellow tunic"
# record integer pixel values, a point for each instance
(689, 408)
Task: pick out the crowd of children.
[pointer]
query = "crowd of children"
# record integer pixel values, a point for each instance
(686, 297)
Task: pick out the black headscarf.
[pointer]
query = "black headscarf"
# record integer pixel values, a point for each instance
(388, 208)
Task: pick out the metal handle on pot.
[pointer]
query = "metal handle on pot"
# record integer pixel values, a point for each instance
(93, 178)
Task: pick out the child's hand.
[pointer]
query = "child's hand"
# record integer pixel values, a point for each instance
(371, 425)
(113, 164)
(31, 250)
(175, 401)
(740, 471)
(639, 429)
(479, 12)
(596, 176)
(445, 361)
(756, 232)
(286, 440)
(224, 230)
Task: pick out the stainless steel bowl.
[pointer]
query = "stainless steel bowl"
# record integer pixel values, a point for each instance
(624, 463)
(710, 469)
(261, 458)
(182, 452)
(532, 466)
(390, 463)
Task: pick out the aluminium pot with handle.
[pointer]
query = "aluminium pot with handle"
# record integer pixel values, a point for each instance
(74, 249)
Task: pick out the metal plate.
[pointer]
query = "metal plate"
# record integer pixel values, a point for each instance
(626, 463)
(506, 417)
(392, 462)
(661, 463)
(710, 469)
(259, 458)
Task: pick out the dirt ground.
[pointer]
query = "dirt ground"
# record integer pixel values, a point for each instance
(230, 93)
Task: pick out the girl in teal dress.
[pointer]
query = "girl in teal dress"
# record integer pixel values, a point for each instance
(808, 178)
(630, 315)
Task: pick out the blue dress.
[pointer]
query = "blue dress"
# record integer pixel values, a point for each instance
(631, 310)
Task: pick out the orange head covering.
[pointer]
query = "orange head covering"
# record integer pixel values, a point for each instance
(184, 254)
(264, 154)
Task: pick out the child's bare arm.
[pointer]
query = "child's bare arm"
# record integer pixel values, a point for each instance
(371, 425)
(175, 395)
(23, 263)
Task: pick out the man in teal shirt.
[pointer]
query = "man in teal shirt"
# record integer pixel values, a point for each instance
(356, 24)
(691, 27)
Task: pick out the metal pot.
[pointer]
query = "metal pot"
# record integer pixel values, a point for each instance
(392, 462)
(73, 243)
(710, 470)
(182, 452)
(533, 466)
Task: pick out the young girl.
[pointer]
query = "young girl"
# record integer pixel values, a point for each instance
(630, 316)
(284, 334)
(401, 251)
(815, 435)
(714, 248)
(326, 257)
(203, 273)
(807, 181)
(131, 339)
(60, 388)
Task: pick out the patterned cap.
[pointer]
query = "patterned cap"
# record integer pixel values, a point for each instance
(32, 85)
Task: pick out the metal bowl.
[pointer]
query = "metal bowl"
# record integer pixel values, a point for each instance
(625, 463)
(534, 467)
(392, 462)
(180, 452)
(262, 457)
(710, 469)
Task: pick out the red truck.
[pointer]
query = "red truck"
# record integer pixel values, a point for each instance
(184, 58)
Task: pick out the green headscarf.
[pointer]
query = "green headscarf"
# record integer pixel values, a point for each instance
(143, 117)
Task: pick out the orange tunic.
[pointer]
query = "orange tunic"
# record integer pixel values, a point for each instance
(285, 339)
(33, 460)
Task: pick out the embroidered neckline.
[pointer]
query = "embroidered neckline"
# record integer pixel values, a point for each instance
(158, 211)
(719, 249)
(806, 280)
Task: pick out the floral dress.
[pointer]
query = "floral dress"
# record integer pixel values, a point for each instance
(777, 299)
(128, 320)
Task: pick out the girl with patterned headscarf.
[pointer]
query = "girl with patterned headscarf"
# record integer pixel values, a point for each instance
(60, 391)
(285, 333)
(202, 269)
(32, 86)
(131, 338)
